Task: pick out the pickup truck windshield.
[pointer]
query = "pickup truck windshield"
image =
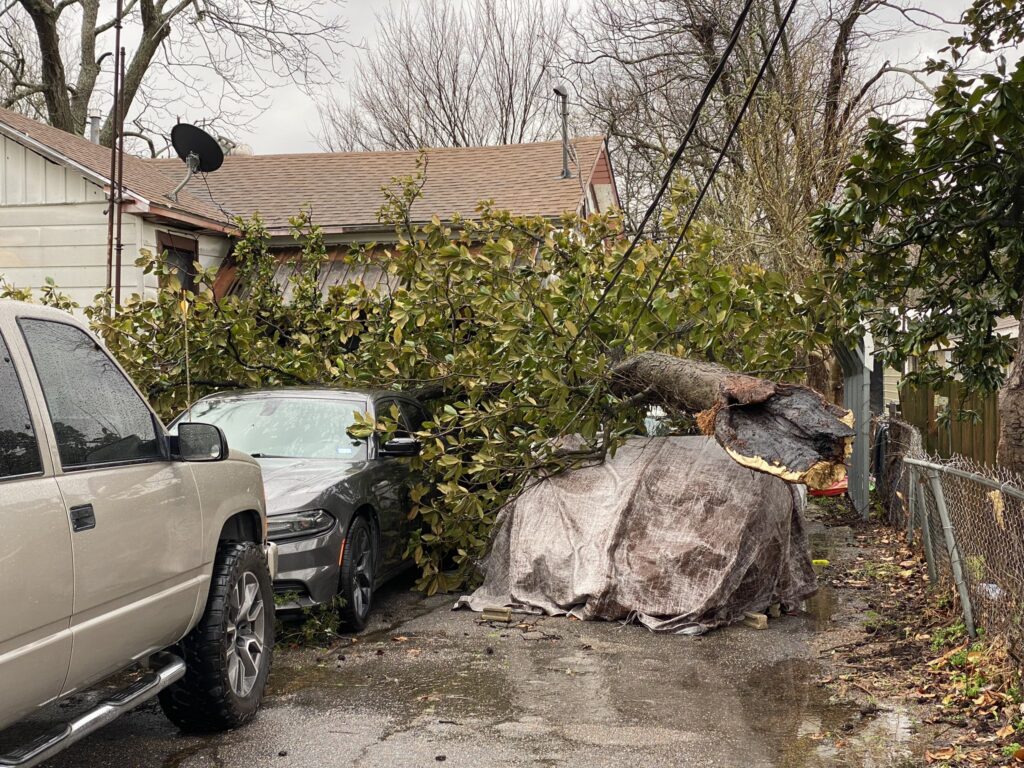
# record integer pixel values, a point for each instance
(283, 427)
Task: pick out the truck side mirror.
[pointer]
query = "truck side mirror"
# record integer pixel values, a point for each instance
(200, 442)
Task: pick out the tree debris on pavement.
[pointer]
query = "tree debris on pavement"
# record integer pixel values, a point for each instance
(914, 651)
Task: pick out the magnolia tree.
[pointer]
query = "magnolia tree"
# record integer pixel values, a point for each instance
(530, 355)
(925, 240)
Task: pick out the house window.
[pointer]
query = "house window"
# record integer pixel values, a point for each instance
(180, 254)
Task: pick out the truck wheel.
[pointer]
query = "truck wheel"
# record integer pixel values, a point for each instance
(227, 655)
(357, 575)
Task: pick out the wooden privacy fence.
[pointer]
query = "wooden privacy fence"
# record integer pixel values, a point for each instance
(972, 426)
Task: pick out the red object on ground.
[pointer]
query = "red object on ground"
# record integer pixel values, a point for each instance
(836, 489)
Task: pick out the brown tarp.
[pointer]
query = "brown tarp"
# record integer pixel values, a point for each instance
(670, 532)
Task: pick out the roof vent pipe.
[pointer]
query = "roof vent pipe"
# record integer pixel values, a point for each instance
(94, 127)
(563, 94)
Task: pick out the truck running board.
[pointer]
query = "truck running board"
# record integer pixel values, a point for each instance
(170, 670)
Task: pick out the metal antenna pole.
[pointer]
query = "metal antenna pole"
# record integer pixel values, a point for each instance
(113, 145)
(566, 173)
(118, 245)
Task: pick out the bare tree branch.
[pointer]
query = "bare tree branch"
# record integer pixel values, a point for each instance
(466, 74)
(216, 57)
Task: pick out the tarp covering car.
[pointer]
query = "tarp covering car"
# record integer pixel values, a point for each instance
(670, 532)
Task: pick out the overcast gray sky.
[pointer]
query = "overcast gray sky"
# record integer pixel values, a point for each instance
(291, 123)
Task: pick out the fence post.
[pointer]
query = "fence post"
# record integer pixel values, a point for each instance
(926, 529)
(911, 498)
(954, 551)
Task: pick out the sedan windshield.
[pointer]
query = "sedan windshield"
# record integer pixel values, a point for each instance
(285, 427)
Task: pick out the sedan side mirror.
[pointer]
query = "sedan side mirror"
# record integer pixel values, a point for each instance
(200, 442)
(400, 446)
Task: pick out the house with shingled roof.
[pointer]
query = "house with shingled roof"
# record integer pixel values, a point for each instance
(54, 189)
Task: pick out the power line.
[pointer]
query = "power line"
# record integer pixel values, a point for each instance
(666, 181)
(718, 162)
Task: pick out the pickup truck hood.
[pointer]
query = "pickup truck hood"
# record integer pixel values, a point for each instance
(292, 484)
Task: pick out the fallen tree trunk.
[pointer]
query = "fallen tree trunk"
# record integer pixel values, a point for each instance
(786, 430)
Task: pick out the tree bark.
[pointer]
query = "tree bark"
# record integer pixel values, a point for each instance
(155, 29)
(58, 104)
(1011, 411)
(785, 430)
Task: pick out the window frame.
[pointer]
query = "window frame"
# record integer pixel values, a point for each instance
(163, 442)
(420, 413)
(169, 241)
(20, 379)
(380, 401)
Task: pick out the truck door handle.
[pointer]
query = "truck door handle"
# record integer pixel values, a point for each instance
(83, 518)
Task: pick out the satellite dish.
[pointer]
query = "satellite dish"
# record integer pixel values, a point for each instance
(199, 151)
(189, 141)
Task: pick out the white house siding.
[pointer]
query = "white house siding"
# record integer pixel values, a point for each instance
(52, 225)
(891, 385)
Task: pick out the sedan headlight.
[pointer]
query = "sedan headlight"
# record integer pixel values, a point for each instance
(309, 523)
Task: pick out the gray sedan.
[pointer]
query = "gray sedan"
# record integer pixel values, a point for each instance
(338, 508)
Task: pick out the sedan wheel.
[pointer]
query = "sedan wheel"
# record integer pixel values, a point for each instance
(357, 575)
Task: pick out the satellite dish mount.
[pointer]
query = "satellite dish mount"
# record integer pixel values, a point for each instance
(197, 149)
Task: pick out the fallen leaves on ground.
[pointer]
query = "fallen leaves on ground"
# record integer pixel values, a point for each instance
(913, 647)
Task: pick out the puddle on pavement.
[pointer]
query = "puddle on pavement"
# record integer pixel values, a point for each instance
(677, 693)
(824, 543)
(809, 728)
(738, 698)
(821, 606)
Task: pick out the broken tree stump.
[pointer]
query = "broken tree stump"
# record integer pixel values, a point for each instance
(785, 430)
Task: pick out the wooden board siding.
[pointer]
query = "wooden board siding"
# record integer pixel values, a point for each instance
(53, 225)
(27, 178)
(978, 440)
(335, 271)
(891, 385)
(602, 185)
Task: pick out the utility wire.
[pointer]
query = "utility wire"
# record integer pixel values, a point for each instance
(666, 181)
(718, 163)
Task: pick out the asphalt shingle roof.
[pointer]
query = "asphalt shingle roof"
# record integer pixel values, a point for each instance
(344, 188)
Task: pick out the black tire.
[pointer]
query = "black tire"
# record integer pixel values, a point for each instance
(358, 573)
(205, 700)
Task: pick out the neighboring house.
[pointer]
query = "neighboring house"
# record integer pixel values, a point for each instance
(54, 185)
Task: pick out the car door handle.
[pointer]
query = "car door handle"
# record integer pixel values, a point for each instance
(83, 518)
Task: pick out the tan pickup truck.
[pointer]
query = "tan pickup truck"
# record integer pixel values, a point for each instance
(120, 546)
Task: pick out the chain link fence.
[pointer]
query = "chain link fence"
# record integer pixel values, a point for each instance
(969, 520)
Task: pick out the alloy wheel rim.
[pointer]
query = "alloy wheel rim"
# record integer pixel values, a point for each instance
(245, 634)
(362, 578)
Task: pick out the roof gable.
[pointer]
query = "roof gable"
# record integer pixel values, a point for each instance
(142, 179)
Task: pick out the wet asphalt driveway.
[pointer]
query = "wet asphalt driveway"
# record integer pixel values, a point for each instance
(426, 685)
